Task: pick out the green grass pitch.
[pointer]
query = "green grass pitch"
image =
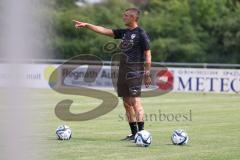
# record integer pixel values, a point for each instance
(214, 129)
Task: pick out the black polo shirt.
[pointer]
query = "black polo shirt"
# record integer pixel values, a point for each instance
(133, 44)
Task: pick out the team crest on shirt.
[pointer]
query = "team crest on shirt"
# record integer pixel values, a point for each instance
(133, 36)
(123, 36)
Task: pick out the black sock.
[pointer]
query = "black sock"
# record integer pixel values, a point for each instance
(133, 126)
(140, 126)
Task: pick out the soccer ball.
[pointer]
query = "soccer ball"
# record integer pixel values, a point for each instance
(143, 138)
(63, 132)
(179, 137)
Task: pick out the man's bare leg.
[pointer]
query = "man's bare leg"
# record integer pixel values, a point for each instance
(130, 112)
(131, 116)
(139, 111)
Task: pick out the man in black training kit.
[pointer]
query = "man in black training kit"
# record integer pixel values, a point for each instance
(135, 51)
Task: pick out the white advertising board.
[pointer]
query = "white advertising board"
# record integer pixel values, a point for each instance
(181, 79)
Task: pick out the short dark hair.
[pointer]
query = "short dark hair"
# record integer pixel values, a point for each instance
(136, 12)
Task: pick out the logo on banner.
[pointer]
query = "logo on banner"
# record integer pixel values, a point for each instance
(164, 80)
(47, 73)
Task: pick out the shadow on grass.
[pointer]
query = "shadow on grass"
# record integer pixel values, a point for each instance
(170, 144)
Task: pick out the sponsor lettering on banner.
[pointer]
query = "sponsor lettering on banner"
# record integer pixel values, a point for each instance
(32, 76)
(206, 80)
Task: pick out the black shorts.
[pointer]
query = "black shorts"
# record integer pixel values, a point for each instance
(129, 86)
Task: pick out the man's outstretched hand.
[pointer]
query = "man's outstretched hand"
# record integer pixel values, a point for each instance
(79, 24)
(97, 29)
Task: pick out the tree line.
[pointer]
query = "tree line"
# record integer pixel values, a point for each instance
(204, 31)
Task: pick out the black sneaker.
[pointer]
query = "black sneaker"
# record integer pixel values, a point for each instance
(128, 138)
